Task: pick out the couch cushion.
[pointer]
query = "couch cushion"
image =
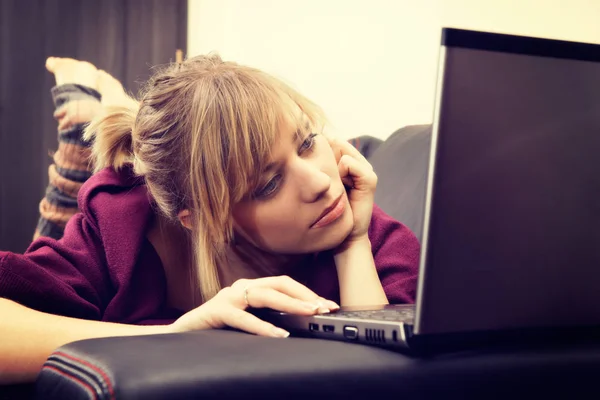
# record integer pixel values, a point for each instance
(401, 166)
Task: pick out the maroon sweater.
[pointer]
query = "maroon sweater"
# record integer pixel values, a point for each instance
(105, 269)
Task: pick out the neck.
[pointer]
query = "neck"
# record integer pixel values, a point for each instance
(173, 247)
(245, 260)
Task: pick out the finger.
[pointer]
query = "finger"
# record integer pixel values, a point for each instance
(245, 321)
(336, 148)
(361, 176)
(345, 176)
(265, 297)
(344, 170)
(287, 285)
(345, 148)
(292, 288)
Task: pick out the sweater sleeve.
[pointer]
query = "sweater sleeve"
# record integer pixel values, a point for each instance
(396, 253)
(63, 277)
(71, 167)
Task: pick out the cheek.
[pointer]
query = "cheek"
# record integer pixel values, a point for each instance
(243, 218)
(279, 218)
(270, 224)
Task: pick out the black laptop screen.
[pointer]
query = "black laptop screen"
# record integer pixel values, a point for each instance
(515, 211)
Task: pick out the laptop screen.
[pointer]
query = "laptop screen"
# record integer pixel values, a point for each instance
(513, 236)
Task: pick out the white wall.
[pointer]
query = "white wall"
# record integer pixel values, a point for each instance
(370, 64)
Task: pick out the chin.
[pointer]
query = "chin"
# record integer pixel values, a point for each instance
(335, 234)
(327, 238)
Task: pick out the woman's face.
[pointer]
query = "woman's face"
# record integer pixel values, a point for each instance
(301, 204)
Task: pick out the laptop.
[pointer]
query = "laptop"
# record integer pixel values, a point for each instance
(511, 232)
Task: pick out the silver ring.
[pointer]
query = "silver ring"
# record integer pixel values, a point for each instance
(246, 296)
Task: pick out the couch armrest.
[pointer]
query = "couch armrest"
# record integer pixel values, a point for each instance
(226, 364)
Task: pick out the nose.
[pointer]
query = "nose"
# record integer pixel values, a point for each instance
(314, 183)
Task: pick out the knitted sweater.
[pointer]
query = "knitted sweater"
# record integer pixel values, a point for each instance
(105, 268)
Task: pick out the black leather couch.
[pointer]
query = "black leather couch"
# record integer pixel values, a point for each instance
(227, 364)
(223, 364)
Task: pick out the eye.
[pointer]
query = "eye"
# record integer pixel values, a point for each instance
(308, 143)
(269, 189)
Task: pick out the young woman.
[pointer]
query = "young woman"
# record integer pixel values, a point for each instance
(214, 193)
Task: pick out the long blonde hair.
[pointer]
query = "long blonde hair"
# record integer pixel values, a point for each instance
(199, 135)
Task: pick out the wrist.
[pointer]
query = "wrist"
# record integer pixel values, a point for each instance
(176, 327)
(159, 329)
(354, 249)
(357, 274)
(352, 244)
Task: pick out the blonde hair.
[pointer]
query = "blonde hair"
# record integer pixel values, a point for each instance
(200, 134)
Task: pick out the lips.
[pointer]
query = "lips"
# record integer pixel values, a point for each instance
(331, 213)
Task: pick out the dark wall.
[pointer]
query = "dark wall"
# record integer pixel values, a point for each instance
(123, 37)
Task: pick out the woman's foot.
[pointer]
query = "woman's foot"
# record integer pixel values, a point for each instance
(68, 70)
(111, 90)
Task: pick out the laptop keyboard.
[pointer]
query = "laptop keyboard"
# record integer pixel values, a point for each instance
(399, 314)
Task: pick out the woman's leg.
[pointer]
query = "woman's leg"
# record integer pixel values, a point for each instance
(77, 97)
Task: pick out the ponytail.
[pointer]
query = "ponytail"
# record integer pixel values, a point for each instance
(112, 132)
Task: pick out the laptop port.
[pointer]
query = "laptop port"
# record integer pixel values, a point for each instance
(395, 336)
(313, 327)
(328, 328)
(350, 332)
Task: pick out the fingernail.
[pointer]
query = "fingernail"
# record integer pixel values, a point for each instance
(325, 306)
(278, 332)
(332, 305)
(310, 307)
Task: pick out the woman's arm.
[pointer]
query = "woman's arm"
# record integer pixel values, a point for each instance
(378, 262)
(357, 275)
(29, 337)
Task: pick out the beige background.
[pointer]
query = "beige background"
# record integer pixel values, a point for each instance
(370, 64)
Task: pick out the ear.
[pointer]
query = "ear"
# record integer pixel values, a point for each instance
(184, 217)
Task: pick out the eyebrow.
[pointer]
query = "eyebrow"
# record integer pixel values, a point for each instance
(299, 134)
(298, 137)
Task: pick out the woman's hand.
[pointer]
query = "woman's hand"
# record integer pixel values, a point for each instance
(357, 273)
(357, 174)
(228, 307)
